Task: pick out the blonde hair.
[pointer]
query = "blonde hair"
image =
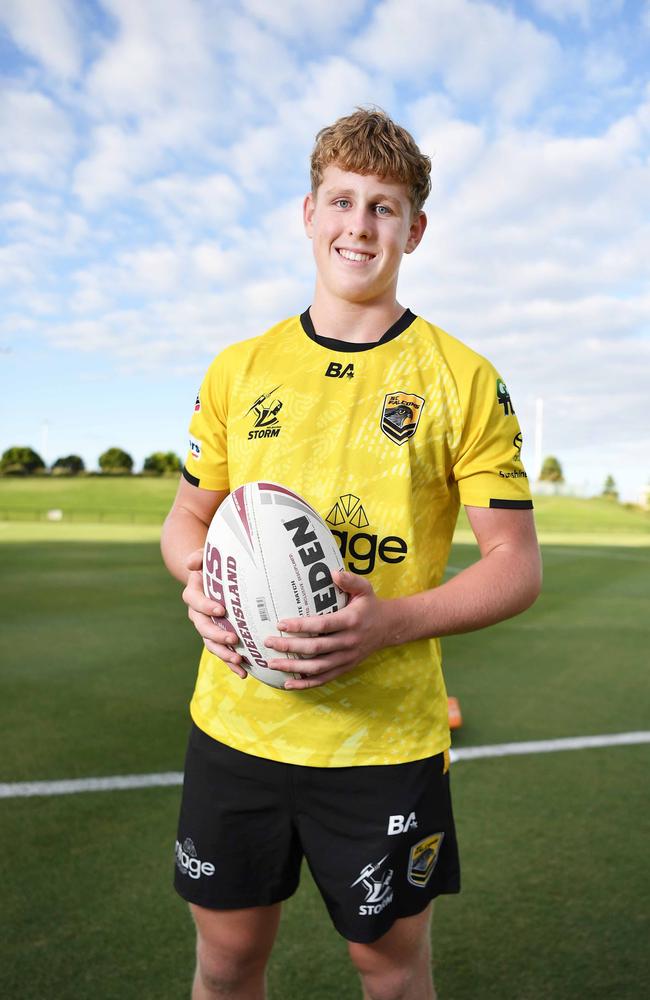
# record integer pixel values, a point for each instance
(369, 142)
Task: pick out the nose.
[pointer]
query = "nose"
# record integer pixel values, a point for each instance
(359, 223)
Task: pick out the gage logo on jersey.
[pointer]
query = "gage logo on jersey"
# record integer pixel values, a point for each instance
(361, 548)
(400, 415)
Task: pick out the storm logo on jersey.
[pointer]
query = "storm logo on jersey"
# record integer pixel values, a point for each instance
(400, 415)
(266, 409)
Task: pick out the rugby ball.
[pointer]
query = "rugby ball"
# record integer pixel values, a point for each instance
(269, 555)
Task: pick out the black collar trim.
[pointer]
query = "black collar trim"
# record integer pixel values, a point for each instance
(345, 346)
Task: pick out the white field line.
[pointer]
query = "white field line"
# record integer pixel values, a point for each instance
(26, 789)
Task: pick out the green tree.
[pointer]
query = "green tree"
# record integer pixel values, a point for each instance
(161, 462)
(114, 461)
(551, 470)
(71, 465)
(20, 461)
(609, 488)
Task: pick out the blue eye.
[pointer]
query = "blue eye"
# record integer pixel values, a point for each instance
(342, 203)
(383, 210)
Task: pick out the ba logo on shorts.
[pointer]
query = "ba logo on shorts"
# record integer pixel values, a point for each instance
(422, 859)
(400, 415)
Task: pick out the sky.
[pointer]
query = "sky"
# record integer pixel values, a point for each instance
(154, 156)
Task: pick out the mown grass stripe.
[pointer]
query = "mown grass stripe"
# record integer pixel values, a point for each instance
(27, 789)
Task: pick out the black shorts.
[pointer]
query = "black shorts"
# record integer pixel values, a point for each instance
(380, 841)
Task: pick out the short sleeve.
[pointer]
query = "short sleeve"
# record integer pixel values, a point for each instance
(206, 464)
(488, 466)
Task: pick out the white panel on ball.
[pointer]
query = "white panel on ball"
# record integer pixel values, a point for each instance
(269, 555)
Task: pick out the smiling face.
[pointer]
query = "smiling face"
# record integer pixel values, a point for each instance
(361, 225)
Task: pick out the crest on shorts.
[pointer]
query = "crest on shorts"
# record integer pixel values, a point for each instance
(423, 857)
(400, 415)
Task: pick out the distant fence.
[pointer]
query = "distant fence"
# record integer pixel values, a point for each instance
(85, 515)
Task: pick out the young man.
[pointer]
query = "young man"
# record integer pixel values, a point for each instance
(384, 423)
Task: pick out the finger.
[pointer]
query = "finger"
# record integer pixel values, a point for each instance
(315, 624)
(311, 682)
(319, 665)
(351, 583)
(308, 646)
(212, 627)
(197, 600)
(229, 656)
(195, 560)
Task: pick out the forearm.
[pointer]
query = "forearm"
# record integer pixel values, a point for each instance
(500, 585)
(183, 532)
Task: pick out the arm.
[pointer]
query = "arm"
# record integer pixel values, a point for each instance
(182, 540)
(502, 583)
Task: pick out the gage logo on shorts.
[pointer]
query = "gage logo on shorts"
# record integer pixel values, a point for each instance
(188, 863)
(379, 891)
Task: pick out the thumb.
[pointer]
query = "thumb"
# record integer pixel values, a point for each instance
(194, 560)
(352, 583)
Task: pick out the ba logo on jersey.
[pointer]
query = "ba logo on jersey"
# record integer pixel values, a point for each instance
(337, 370)
(265, 411)
(400, 415)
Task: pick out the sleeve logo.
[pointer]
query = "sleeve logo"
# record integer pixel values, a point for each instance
(503, 397)
(400, 415)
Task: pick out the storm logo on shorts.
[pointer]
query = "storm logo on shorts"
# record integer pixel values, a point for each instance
(400, 415)
(266, 409)
(422, 859)
(379, 891)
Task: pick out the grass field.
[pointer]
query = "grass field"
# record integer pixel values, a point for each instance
(98, 666)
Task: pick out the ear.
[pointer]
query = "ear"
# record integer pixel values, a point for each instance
(308, 207)
(416, 232)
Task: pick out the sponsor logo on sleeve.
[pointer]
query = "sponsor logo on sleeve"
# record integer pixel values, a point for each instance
(400, 415)
(517, 442)
(503, 397)
(197, 404)
(195, 448)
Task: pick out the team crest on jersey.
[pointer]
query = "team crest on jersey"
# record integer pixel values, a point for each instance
(264, 412)
(400, 415)
(422, 859)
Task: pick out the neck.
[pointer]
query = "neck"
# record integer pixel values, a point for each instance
(356, 322)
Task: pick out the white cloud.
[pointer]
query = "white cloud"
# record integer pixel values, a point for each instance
(159, 58)
(36, 138)
(480, 51)
(297, 20)
(48, 30)
(182, 200)
(585, 11)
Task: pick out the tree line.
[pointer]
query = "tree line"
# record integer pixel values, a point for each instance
(21, 460)
(24, 461)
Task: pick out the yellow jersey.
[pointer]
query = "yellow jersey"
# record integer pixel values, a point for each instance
(385, 440)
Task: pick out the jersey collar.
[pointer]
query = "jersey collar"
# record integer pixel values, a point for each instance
(398, 327)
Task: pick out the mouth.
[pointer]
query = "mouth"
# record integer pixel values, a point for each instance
(355, 255)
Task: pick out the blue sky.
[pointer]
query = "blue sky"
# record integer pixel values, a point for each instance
(154, 155)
